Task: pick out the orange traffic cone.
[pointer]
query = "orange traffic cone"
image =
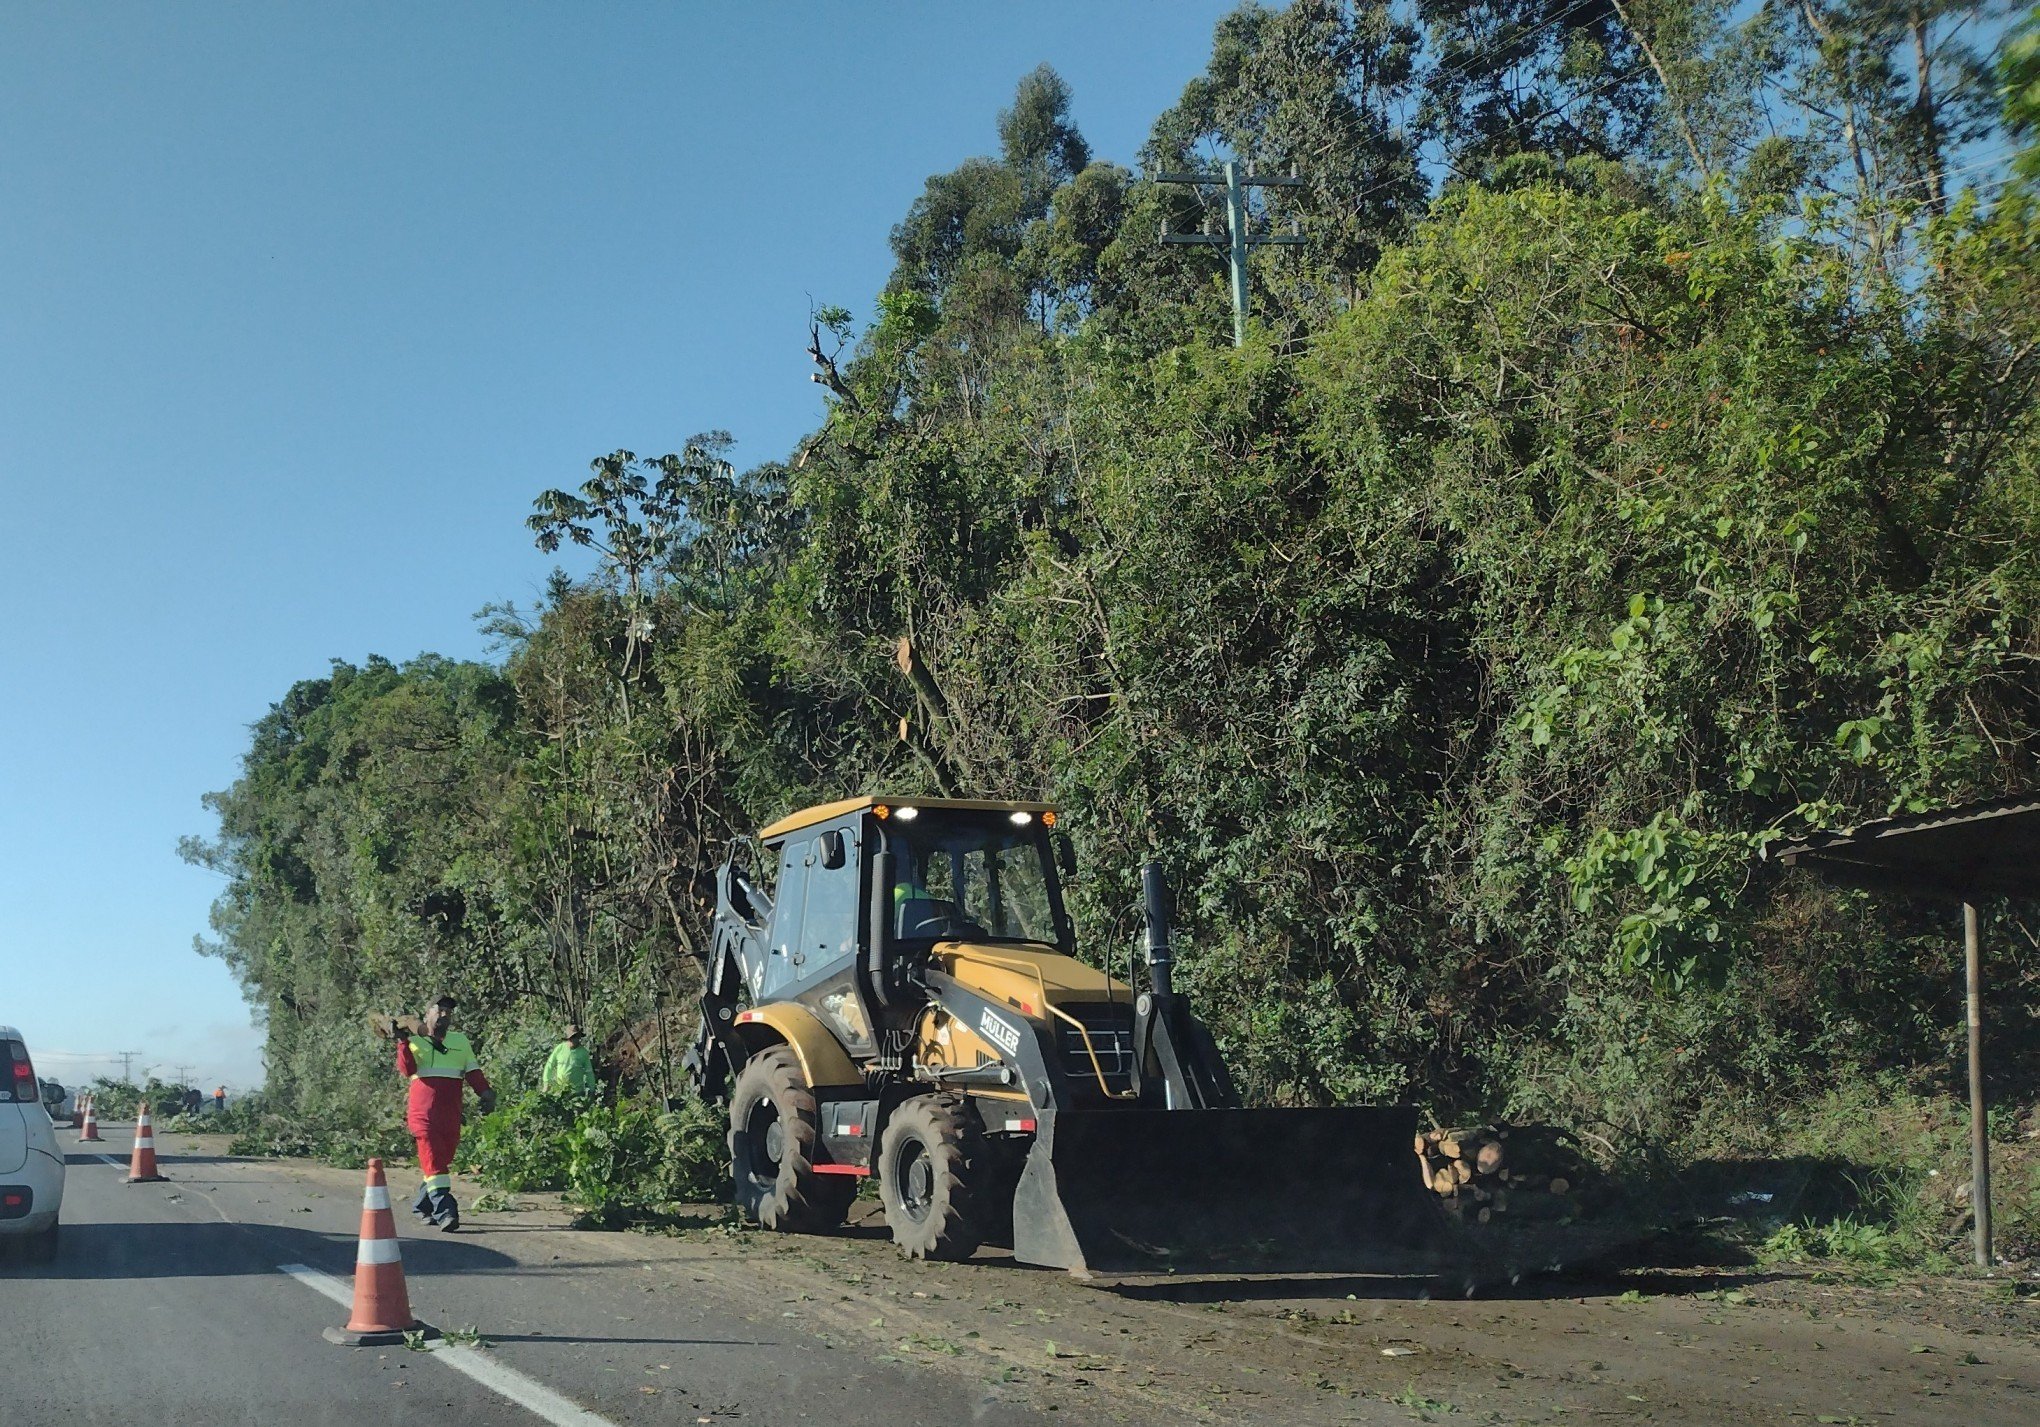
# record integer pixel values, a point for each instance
(142, 1168)
(382, 1305)
(91, 1130)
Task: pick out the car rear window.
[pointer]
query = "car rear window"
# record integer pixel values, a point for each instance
(19, 1084)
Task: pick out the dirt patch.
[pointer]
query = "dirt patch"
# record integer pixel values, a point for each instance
(1698, 1346)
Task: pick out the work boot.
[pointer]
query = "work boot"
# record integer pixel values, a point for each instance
(445, 1211)
(439, 1205)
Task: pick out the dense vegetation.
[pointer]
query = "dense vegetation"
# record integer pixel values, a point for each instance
(1639, 462)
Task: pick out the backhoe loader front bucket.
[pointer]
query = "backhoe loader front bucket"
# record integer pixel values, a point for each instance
(1122, 1192)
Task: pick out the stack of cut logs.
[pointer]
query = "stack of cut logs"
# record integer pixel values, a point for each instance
(1528, 1172)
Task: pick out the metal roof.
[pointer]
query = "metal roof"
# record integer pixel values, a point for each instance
(1972, 850)
(824, 812)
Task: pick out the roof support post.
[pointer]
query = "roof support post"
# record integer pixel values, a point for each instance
(1979, 1121)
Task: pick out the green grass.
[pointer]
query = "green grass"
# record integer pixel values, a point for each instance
(1847, 1239)
(1424, 1409)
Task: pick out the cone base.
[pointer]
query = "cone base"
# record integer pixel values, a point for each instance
(377, 1337)
(148, 1179)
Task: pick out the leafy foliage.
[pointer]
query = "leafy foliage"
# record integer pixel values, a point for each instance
(122, 1099)
(522, 1145)
(618, 1162)
(1569, 528)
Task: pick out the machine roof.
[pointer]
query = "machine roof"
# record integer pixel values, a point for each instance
(1973, 850)
(824, 812)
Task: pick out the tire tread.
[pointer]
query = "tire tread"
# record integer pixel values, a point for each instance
(948, 1127)
(802, 1202)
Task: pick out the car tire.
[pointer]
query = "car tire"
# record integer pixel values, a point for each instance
(773, 1132)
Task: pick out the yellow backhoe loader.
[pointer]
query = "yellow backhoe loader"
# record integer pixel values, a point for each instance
(902, 1001)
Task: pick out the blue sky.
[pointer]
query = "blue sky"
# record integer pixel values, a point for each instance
(301, 305)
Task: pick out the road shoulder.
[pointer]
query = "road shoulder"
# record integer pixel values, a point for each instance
(1694, 1346)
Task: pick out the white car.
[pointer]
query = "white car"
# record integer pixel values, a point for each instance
(31, 1164)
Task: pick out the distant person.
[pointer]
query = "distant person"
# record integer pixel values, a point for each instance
(438, 1062)
(191, 1102)
(219, 1100)
(568, 1067)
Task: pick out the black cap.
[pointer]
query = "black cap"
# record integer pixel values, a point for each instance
(447, 1001)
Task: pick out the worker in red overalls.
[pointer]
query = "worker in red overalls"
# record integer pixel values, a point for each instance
(438, 1062)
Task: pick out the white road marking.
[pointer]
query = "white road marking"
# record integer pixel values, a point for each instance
(116, 1163)
(318, 1282)
(527, 1392)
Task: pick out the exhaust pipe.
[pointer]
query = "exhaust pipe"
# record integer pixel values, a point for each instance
(1171, 1050)
(1161, 963)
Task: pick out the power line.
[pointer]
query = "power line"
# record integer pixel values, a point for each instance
(1554, 112)
(2002, 156)
(1480, 53)
(1483, 53)
(1476, 55)
(1236, 217)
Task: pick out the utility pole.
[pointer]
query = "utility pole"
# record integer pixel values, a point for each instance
(181, 1074)
(127, 1065)
(1238, 237)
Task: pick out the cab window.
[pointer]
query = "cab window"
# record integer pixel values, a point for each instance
(973, 875)
(829, 927)
(788, 908)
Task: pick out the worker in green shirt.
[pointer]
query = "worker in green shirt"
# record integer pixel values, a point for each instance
(568, 1067)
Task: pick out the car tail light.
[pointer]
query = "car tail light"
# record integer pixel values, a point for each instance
(25, 1089)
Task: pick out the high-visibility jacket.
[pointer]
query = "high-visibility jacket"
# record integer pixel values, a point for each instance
(568, 1068)
(437, 1073)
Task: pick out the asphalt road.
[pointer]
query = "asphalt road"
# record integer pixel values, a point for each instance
(170, 1304)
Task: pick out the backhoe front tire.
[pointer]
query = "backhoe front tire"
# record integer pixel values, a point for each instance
(773, 1131)
(932, 1165)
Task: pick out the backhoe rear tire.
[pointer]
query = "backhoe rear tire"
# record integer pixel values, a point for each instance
(932, 1167)
(773, 1130)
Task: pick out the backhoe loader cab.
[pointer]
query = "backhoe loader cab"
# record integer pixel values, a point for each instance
(893, 992)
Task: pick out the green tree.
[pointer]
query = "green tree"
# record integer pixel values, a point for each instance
(1556, 540)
